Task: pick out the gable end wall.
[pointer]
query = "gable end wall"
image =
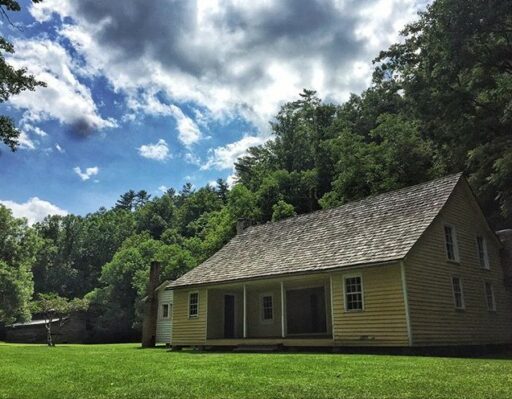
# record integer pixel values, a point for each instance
(433, 317)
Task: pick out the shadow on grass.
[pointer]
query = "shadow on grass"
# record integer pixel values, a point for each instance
(503, 352)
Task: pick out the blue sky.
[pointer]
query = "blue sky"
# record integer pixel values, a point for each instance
(152, 95)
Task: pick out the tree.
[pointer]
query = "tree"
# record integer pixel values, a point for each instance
(156, 216)
(56, 308)
(12, 81)
(123, 280)
(141, 198)
(18, 247)
(127, 201)
(454, 71)
(282, 210)
(76, 248)
(242, 204)
(222, 190)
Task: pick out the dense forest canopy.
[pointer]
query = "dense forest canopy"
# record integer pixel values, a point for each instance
(440, 102)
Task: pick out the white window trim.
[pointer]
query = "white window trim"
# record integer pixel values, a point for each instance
(463, 307)
(168, 311)
(262, 320)
(487, 263)
(195, 316)
(456, 253)
(493, 309)
(346, 276)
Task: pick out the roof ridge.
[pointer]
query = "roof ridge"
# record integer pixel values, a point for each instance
(369, 197)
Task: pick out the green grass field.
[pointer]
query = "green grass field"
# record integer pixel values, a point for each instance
(124, 371)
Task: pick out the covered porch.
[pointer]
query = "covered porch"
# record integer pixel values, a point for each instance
(293, 311)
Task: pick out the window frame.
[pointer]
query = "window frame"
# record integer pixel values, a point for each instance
(190, 315)
(485, 255)
(162, 314)
(455, 243)
(264, 295)
(345, 293)
(493, 296)
(462, 299)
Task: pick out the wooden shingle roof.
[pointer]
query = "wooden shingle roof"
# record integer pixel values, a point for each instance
(376, 229)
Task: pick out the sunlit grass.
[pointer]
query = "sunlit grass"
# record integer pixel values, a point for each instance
(124, 371)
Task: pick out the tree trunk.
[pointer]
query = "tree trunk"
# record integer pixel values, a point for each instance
(49, 339)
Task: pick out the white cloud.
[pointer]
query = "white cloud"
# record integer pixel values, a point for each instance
(34, 210)
(189, 132)
(64, 99)
(224, 157)
(231, 180)
(269, 50)
(25, 142)
(88, 173)
(163, 189)
(59, 148)
(34, 129)
(192, 159)
(158, 151)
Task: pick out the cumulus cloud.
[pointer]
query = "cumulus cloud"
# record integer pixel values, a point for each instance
(34, 210)
(64, 99)
(231, 58)
(158, 151)
(87, 173)
(225, 156)
(59, 148)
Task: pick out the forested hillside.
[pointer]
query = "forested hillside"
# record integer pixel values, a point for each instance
(440, 102)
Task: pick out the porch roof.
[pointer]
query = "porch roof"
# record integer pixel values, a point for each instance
(376, 229)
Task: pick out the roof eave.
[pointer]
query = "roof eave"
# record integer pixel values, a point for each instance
(290, 274)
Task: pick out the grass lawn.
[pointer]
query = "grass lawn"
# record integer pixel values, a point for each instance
(123, 371)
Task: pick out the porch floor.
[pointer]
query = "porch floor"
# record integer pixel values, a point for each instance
(287, 341)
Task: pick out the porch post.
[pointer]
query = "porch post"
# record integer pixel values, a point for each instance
(245, 311)
(331, 295)
(282, 309)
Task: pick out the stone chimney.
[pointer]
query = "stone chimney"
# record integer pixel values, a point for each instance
(151, 307)
(241, 225)
(505, 237)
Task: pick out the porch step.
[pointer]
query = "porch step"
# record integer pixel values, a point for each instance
(258, 348)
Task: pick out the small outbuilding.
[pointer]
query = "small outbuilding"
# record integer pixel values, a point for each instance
(71, 330)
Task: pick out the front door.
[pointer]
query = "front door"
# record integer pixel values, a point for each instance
(229, 316)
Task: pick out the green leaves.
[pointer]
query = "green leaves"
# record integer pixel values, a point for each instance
(282, 210)
(18, 246)
(12, 81)
(55, 306)
(455, 70)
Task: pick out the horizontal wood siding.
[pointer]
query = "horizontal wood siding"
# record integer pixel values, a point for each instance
(185, 330)
(434, 319)
(164, 326)
(383, 320)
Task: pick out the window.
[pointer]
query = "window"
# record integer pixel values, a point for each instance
(267, 309)
(458, 295)
(165, 311)
(483, 257)
(489, 297)
(353, 293)
(193, 304)
(450, 239)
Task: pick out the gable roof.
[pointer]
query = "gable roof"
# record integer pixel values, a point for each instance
(376, 229)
